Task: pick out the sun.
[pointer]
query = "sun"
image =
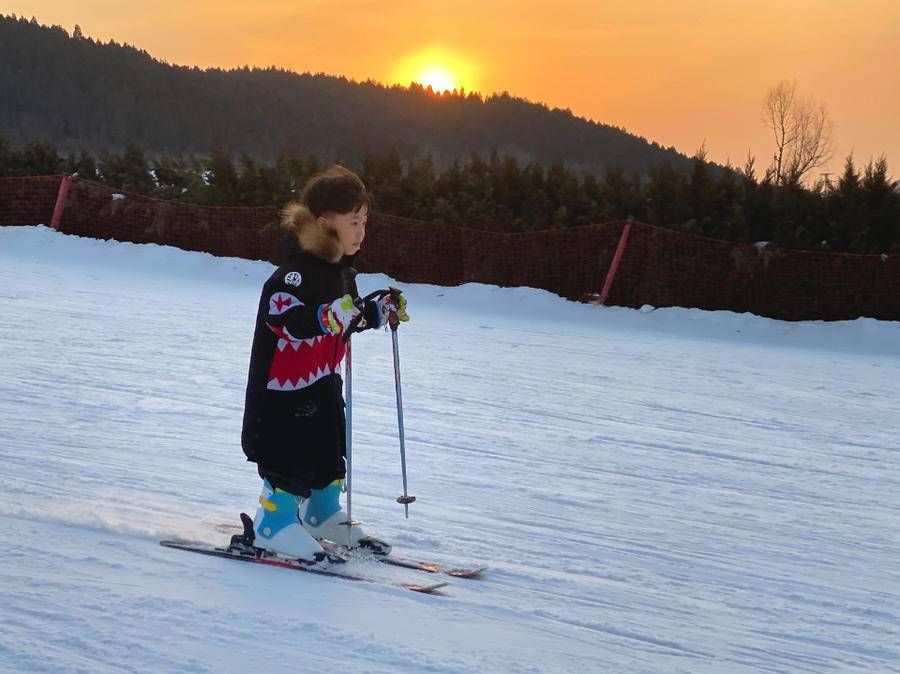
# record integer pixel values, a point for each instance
(439, 78)
(438, 68)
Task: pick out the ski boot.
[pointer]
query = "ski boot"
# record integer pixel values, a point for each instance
(277, 528)
(323, 517)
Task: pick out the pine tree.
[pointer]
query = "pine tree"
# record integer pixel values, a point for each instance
(39, 158)
(222, 179)
(7, 157)
(881, 214)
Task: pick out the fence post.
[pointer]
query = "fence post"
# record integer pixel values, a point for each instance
(617, 258)
(60, 201)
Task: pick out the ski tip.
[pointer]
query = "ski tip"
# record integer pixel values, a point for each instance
(475, 572)
(428, 588)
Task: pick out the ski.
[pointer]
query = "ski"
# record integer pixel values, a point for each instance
(391, 559)
(257, 557)
(473, 571)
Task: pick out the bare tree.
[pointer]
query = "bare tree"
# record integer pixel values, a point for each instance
(804, 133)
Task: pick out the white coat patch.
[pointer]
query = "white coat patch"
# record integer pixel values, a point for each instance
(281, 302)
(293, 278)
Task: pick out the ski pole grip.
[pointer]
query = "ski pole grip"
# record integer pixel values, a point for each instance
(393, 321)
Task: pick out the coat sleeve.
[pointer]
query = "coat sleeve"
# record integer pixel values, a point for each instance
(294, 306)
(298, 308)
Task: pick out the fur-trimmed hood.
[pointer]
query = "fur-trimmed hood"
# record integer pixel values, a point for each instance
(321, 242)
(309, 234)
(291, 248)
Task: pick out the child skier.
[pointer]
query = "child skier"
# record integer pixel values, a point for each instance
(294, 424)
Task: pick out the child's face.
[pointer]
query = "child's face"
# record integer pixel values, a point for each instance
(350, 229)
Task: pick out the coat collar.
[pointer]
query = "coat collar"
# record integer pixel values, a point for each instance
(292, 250)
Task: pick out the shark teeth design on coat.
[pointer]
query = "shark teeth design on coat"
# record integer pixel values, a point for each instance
(299, 363)
(295, 344)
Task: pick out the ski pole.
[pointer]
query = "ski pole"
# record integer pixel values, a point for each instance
(348, 276)
(405, 499)
(348, 425)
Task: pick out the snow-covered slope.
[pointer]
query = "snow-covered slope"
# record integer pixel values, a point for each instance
(655, 491)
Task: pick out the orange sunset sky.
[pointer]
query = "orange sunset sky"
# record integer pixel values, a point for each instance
(679, 73)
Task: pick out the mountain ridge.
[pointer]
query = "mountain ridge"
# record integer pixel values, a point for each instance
(79, 93)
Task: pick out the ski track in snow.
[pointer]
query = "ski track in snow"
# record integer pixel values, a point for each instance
(671, 491)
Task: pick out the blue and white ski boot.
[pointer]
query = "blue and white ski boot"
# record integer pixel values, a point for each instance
(325, 520)
(277, 526)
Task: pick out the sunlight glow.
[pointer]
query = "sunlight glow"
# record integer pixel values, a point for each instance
(438, 68)
(438, 78)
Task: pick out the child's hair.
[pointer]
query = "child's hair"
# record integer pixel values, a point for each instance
(334, 190)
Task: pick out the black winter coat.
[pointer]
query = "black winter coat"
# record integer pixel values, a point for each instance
(294, 424)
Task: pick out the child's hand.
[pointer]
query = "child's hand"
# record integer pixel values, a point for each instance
(393, 303)
(336, 317)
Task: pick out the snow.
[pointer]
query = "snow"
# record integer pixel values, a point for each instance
(666, 490)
